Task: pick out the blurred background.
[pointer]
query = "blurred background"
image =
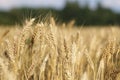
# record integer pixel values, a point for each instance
(84, 12)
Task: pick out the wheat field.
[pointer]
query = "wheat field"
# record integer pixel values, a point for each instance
(59, 52)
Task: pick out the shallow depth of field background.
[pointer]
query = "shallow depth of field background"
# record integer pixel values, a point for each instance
(59, 40)
(84, 12)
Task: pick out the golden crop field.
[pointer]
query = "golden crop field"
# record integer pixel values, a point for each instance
(59, 52)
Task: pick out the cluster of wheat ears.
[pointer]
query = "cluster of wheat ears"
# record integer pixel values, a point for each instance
(59, 52)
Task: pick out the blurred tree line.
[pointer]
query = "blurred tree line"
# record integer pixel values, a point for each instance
(72, 11)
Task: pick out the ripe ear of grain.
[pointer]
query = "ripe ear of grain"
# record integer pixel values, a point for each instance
(48, 51)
